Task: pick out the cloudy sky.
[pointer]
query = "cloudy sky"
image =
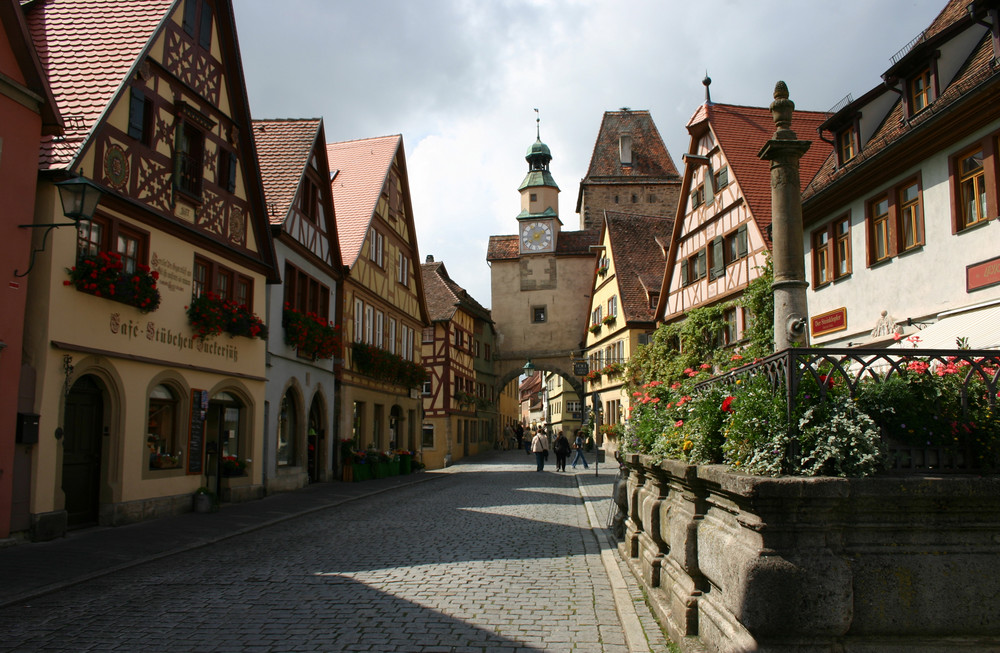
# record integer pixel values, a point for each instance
(460, 80)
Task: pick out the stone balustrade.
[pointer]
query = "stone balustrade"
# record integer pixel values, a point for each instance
(735, 563)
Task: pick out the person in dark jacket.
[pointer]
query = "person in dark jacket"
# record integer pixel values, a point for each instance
(561, 448)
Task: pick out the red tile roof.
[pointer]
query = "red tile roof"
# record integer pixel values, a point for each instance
(637, 245)
(569, 243)
(87, 48)
(741, 132)
(444, 296)
(972, 77)
(283, 150)
(359, 170)
(650, 156)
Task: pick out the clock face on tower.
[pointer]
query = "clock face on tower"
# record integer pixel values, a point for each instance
(536, 236)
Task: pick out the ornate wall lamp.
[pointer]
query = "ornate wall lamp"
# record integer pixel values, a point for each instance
(79, 197)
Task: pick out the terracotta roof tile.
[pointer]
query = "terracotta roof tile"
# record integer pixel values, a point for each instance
(359, 170)
(87, 48)
(444, 296)
(639, 258)
(569, 243)
(650, 156)
(283, 150)
(976, 71)
(742, 131)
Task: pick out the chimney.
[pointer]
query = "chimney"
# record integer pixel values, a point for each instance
(430, 258)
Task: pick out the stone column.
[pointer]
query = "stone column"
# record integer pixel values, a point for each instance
(788, 255)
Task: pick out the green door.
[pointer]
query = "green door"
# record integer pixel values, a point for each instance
(81, 473)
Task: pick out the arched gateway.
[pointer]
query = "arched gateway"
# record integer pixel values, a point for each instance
(541, 278)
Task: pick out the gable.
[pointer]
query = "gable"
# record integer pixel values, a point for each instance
(171, 132)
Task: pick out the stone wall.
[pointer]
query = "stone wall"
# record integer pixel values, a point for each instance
(735, 563)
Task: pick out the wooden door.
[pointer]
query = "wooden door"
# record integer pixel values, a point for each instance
(83, 431)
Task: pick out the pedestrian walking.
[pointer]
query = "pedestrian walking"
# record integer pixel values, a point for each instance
(519, 433)
(540, 447)
(578, 445)
(561, 449)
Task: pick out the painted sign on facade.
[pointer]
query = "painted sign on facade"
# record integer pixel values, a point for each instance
(829, 322)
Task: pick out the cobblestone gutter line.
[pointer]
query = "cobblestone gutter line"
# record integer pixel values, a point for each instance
(642, 631)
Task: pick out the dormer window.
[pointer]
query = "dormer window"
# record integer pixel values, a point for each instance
(920, 91)
(190, 152)
(846, 145)
(625, 149)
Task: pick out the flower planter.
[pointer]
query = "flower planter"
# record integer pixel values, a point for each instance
(381, 470)
(393, 468)
(361, 472)
(405, 464)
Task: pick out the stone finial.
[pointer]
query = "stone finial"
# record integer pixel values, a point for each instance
(781, 111)
(707, 82)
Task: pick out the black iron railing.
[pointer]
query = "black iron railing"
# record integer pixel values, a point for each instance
(976, 370)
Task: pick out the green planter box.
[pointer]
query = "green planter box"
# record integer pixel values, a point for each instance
(381, 470)
(393, 468)
(405, 464)
(361, 472)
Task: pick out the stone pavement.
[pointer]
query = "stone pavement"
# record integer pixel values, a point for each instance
(485, 555)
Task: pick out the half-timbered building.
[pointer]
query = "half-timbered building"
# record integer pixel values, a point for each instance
(304, 344)
(458, 409)
(721, 234)
(143, 352)
(627, 282)
(384, 311)
(901, 229)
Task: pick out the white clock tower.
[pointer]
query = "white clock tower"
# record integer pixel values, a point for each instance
(538, 222)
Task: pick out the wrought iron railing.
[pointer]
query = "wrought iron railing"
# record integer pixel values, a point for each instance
(786, 371)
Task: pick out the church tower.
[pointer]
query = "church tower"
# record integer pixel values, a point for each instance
(538, 222)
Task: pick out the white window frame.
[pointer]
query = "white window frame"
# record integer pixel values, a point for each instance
(380, 329)
(369, 323)
(359, 320)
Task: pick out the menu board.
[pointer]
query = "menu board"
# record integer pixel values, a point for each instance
(196, 432)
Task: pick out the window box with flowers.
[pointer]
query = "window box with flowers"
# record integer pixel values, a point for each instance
(104, 275)
(612, 369)
(210, 315)
(602, 270)
(612, 430)
(234, 466)
(594, 328)
(609, 320)
(311, 335)
(592, 376)
(385, 366)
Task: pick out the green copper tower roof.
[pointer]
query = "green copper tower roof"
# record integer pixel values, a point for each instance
(538, 158)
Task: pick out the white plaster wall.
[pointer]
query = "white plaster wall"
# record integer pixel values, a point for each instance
(918, 284)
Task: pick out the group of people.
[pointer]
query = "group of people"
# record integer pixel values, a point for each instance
(539, 445)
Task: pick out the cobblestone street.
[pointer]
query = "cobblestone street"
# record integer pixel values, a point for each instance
(487, 555)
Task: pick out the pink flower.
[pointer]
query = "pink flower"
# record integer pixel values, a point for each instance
(679, 423)
(735, 357)
(896, 336)
(655, 400)
(705, 366)
(726, 403)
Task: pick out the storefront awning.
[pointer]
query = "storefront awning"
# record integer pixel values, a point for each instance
(980, 326)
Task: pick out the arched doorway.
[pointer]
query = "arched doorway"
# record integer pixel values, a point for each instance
(82, 441)
(316, 441)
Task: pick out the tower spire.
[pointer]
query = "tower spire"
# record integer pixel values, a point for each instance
(538, 126)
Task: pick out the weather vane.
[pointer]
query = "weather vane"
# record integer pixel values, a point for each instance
(538, 126)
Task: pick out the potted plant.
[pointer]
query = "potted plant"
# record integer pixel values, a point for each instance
(313, 336)
(205, 500)
(104, 275)
(609, 320)
(209, 315)
(594, 328)
(233, 466)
